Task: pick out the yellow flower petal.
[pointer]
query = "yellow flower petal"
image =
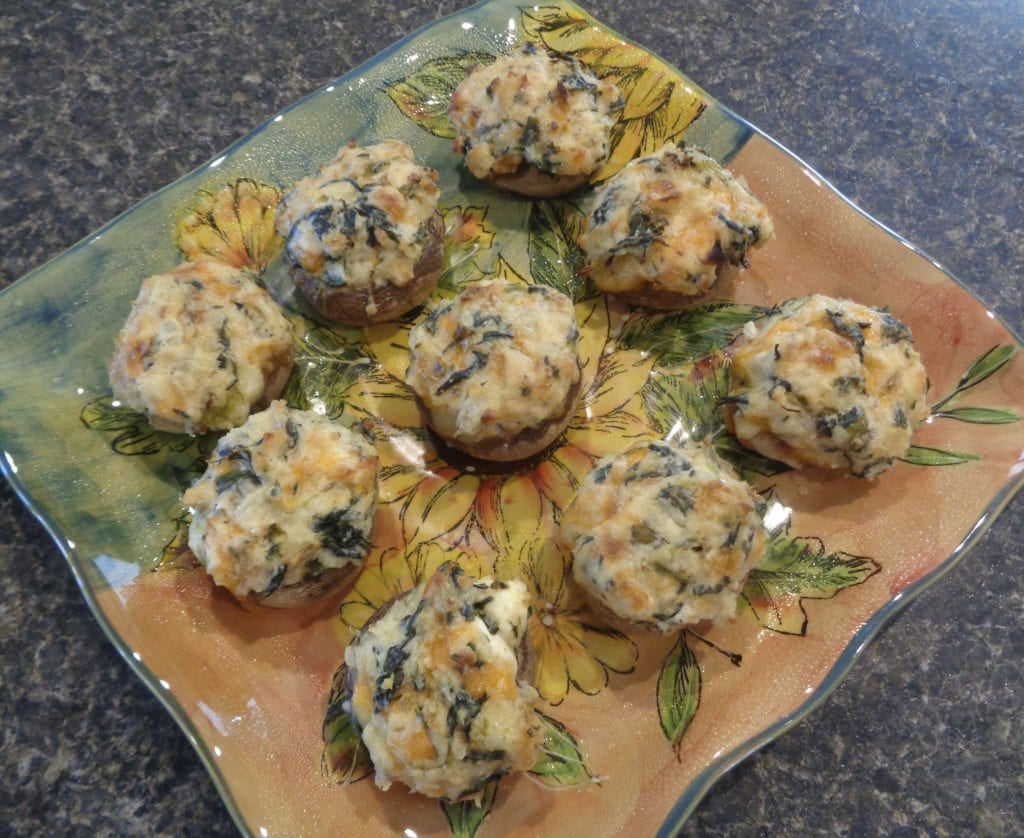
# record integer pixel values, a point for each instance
(560, 31)
(396, 482)
(602, 52)
(621, 375)
(233, 224)
(610, 434)
(508, 510)
(438, 505)
(206, 242)
(396, 409)
(626, 139)
(427, 558)
(586, 674)
(225, 216)
(684, 105)
(397, 572)
(544, 565)
(560, 475)
(592, 321)
(384, 397)
(552, 678)
(251, 217)
(650, 91)
(388, 344)
(356, 614)
(611, 648)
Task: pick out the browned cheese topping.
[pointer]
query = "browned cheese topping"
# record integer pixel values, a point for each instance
(499, 359)
(200, 348)
(828, 383)
(434, 687)
(663, 535)
(363, 219)
(285, 497)
(537, 109)
(670, 220)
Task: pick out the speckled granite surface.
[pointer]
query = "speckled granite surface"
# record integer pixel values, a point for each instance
(913, 109)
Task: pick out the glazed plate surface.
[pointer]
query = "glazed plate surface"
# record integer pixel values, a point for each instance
(645, 724)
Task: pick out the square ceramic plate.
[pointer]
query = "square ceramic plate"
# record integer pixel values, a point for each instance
(655, 720)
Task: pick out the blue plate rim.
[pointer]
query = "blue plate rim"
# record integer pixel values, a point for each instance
(698, 788)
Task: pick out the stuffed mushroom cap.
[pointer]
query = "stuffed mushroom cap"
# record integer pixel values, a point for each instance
(203, 346)
(663, 535)
(827, 383)
(668, 226)
(433, 680)
(363, 236)
(496, 370)
(533, 122)
(284, 511)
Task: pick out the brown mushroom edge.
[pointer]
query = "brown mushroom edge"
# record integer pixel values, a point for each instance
(348, 306)
(531, 182)
(525, 445)
(310, 589)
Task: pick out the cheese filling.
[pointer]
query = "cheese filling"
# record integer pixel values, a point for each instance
(362, 221)
(536, 109)
(498, 360)
(285, 497)
(671, 219)
(199, 347)
(829, 383)
(434, 686)
(664, 535)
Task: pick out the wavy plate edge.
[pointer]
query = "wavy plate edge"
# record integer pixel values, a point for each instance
(695, 792)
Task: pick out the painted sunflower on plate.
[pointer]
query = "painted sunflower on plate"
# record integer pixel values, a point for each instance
(504, 524)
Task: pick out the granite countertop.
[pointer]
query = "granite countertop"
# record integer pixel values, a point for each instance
(913, 109)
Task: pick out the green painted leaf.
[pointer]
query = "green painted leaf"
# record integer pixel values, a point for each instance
(795, 568)
(562, 764)
(920, 455)
(424, 95)
(465, 817)
(979, 415)
(748, 463)
(683, 337)
(469, 254)
(991, 361)
(687, 398)
(555, 258)
(345, 759)
(678, 691)
(176, 554)
(987, 364)
(135, 436)
(327, 364)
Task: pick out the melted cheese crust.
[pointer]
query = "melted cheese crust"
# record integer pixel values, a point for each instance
(199, 347)
(537, 109)
(285, 497)
(497, 360)
(362, 221)
(669, 220)
(828, 383)
(434, 689)
(664, 535)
